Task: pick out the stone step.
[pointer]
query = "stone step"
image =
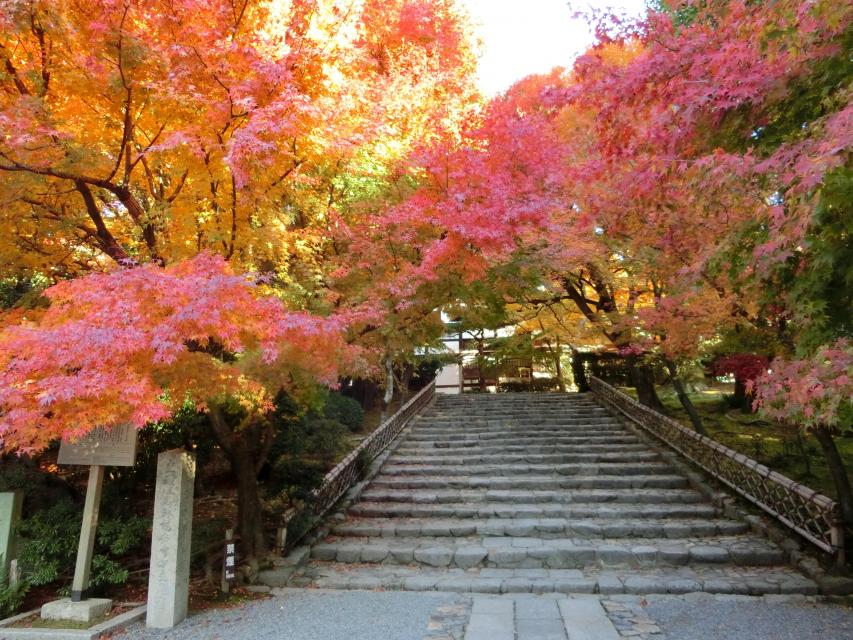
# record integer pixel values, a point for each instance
(512, 432)
(521, 457)
(518, 435)
(534, 496)
(737, 580)
(653, 512)
(524, 469)
(498, 400)
(530, 440)
(662, 481)
(539, 493)
(593, 413)
(515, 410)
(521, 449)
(515, 406)
(488, 416)
(585, 427)
(532, 552)
(544, 528)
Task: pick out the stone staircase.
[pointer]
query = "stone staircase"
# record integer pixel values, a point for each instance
(539, 493)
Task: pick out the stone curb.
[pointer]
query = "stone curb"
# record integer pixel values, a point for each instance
(104, 629)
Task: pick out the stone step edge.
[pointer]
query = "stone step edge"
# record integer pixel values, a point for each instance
(665, 509)
(397, 527)
(665, 554)
(589, 582)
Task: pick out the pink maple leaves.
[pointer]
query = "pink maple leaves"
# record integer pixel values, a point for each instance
(131, 345)
(812, 392)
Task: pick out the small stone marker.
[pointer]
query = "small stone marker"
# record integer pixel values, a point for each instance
(10, 515)
(14, 573)
(168, 582)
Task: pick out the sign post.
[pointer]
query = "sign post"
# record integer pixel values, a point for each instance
(97, 449)
(87, 533)
(229, 562)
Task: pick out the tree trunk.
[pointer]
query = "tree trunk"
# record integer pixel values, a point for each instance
(246, 453)
(481, 362)
(559, 366)
(405, 381)
(804, 455)
(695, 418)
(250, 511)
(644, 383)
(838, 472)
(578, 373)
(741, 399)
(389, 382)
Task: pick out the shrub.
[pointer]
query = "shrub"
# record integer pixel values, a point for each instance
(11, 597)
(344, 410)
(534, 384)
(306, 446)
(296, 477)
(426, 368)
(49, 545)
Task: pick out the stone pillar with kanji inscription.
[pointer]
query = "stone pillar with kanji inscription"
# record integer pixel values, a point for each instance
(168, 582)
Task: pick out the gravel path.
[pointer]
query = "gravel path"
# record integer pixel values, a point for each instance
(755, 619)
(312, 615)
(722, 617)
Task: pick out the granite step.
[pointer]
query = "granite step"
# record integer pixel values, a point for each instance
(522, 457)
(539, 493)
(558, 553)
(545, 528)
(584, 427)
(485, 416)
(571, 416)
(422, 433)
(609, 496)
(532, 440)
(681, 580)
(426, 449)
(519, 470)
(533, 482)
(653, 512)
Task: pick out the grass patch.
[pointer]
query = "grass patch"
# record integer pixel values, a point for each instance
(770, 443)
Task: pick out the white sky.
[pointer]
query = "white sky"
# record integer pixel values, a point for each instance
(521, 37)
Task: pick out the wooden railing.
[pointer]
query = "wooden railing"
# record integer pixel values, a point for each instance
(812, 515)
(351, 469)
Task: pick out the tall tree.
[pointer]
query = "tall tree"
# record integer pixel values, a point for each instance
(133, 345)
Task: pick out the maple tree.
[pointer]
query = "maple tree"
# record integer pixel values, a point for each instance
(138, 133)
(815, 394)
(133, 345)
(150, 130)
(712, 155)
(681, 193)
(685, 180)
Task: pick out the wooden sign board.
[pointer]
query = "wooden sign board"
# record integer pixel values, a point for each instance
(114, 447)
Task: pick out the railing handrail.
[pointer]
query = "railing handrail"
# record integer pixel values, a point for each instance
(330, 490)
(819, 506)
